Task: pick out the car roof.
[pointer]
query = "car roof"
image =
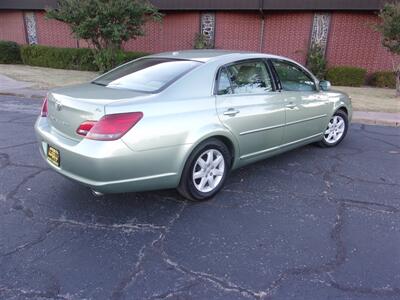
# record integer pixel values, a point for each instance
(209, 54)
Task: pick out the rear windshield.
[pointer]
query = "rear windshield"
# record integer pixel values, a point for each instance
(146, 75)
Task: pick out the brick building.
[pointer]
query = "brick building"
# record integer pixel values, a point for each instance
(285, 27)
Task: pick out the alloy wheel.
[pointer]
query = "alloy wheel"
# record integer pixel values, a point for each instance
(335, 130)
(208, 171)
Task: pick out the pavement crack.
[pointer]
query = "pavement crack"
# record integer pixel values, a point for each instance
(218, 282)
(18, 204)
(137, 270)
(18, 145)
(42, 237)
(383, 291)
(124, 227)
(353, 179)
(33, 294)
(5, 161)
(374, 206)
(338, 260)
(175, 292)
(131, 277)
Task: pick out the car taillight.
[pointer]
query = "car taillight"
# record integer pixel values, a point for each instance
(44, 110)
(85, 127)
(109, 127)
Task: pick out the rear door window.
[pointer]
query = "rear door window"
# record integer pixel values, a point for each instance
(224, 83)
(248, 77)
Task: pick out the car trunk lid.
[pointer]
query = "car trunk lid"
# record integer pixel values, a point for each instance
(69, 107)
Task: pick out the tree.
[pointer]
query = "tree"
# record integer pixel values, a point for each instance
(390, 29)
(105, 24)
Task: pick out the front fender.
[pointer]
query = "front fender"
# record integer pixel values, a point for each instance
(344, 102)
(341, 100)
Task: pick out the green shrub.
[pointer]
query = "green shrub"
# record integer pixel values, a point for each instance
(346, 76)
(104, 58)
(59, 58)
(383, 79)
(82, 59)
(316, 61)
(200, 41)
(10, 53)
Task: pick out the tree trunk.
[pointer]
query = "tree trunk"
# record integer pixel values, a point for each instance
(398, 83)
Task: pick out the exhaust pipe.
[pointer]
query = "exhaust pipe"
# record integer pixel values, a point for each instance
(96, 193)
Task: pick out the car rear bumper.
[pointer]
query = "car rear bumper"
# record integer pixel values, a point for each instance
(111, 166)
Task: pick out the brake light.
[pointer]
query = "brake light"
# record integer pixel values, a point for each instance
(44, 111)
(109, 127)
(85, 127)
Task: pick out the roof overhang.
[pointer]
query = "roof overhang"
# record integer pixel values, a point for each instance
(166, 5)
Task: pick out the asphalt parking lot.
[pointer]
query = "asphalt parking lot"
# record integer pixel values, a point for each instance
(309, 224)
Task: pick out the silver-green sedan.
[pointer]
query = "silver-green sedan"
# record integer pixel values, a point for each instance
(186, 119)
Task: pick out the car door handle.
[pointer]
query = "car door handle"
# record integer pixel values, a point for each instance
(231, 112)
(291, 105)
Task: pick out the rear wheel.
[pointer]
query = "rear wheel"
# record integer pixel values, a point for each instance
(205, 170)
(336, 130)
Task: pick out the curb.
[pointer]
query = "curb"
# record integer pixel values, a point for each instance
(376, 118)
(30, 96)
(375, 122)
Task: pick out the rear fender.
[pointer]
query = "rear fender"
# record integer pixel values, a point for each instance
(207, 132)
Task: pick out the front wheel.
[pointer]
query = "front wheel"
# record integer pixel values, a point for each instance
(336, 130)
(205, 170)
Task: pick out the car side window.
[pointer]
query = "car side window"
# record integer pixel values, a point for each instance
(250, 77)
(224, 84)
(292, 77)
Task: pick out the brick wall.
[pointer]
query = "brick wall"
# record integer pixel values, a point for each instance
(12, 26)
(288, 34)
(53, 32)
(237, 31)
(353, 42)
(175, 32)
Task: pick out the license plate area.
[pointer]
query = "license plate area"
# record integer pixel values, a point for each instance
(53, 155)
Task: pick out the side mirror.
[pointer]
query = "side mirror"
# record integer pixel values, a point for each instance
(325, 85)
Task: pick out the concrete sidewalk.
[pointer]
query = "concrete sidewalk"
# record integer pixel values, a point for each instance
(9, 86)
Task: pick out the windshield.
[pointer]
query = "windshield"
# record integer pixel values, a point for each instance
(147, 75)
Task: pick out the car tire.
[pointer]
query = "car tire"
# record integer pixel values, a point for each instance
(336, 130)
(205, 170)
